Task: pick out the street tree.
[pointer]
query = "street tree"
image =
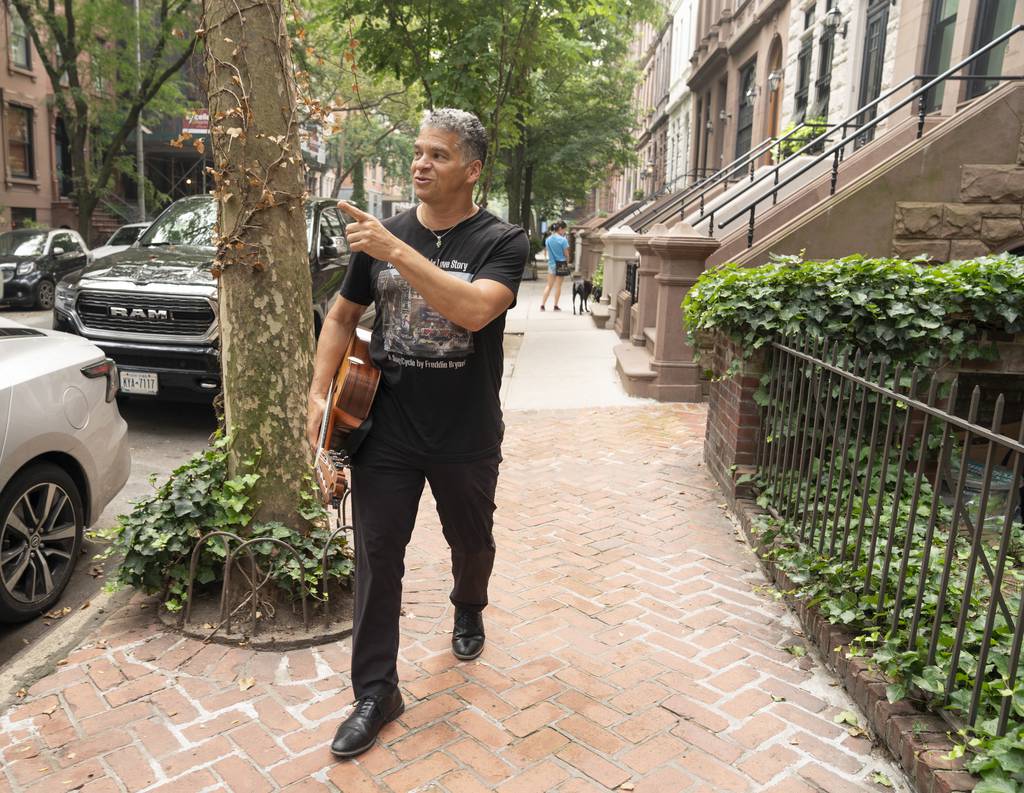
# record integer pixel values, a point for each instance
(106, 65)
(370, 117)
(262, 262)
(576, 118)
(487, 57)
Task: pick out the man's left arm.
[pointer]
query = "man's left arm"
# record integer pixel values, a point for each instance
(470, 304)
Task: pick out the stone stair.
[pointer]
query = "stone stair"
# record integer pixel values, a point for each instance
(957, 192)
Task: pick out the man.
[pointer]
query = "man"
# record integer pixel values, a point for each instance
(441, 276)
(558, 265)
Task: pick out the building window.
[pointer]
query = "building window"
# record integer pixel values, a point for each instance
(19, 141)
(940, 46)
(23, 217)
(803, 79)
(823, 85)
(21, 52)
(745, 116)
(994, 18)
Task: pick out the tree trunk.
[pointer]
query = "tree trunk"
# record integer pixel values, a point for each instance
(359, 184)
(514, 179)
(266, 319)
(526, 209)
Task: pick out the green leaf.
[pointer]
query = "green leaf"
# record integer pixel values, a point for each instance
(895, 692)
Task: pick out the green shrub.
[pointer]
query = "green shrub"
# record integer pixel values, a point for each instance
(913, 313)
(598, 279)
(158, 535)
(908, 311)
(812, 128)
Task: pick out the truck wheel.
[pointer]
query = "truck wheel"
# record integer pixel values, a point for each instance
(41, 527)
(44, 295)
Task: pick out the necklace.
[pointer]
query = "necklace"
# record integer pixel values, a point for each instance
(439, 238)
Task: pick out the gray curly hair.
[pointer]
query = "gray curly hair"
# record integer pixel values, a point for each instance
(466, 126)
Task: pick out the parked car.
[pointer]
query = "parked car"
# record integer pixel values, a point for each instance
(120, 239)
(153, 307)
(32, 261)
(63, 457)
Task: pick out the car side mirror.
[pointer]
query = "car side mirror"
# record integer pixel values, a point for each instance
(58, 250)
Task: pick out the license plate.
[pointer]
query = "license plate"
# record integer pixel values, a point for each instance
(139, 382)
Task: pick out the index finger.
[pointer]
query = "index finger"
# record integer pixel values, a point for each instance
(353, 211)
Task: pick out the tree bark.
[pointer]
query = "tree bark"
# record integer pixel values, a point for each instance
(526, 209)
(266, 321)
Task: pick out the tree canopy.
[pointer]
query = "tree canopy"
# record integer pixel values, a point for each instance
(550, 79)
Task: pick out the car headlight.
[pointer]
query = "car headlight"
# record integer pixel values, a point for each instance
(26, 267)
(64, 296)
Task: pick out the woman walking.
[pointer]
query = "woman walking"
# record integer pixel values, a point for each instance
(558, 265)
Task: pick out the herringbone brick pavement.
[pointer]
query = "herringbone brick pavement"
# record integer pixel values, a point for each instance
(632, 645)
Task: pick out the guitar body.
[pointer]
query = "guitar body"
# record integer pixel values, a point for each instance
(355, 387)
(349, 400)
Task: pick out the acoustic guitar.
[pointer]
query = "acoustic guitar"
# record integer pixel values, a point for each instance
(349, 399)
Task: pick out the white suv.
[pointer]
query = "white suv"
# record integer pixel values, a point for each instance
(63, 457)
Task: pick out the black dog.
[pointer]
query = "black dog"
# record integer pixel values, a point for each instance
(582, 288)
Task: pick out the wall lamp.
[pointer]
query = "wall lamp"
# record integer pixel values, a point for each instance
(774, 79)
(723, 116)
(833, 17)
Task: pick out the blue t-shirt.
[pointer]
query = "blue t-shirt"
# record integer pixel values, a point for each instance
(557, 245)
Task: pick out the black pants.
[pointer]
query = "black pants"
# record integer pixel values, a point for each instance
(386, 489)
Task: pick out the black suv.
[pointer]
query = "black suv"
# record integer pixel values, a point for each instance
(153, 307)
(32, 261)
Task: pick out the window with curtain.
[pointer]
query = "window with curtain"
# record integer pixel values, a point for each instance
(18, 121)
(21, 53)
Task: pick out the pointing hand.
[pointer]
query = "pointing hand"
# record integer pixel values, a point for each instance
(365, 233)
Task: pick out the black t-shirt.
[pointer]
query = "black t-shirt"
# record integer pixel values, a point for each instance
(440, 383)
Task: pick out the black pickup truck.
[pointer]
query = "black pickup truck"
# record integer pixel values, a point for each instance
(153, 307)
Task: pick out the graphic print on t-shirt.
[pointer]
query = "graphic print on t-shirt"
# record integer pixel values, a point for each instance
(412, 329)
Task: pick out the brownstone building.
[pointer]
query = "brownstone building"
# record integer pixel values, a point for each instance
(34, 147)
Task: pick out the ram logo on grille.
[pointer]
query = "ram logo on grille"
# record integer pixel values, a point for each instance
(140, 313)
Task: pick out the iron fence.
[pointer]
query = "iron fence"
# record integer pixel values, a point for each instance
(888, 481)
(632, 265)
(235, 600)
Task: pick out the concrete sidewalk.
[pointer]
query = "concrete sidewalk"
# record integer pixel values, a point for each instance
(633, 643)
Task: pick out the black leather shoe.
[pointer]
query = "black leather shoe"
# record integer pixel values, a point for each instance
(468, 634)
(359, 731)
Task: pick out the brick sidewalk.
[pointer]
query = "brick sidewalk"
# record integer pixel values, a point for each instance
(631, 645)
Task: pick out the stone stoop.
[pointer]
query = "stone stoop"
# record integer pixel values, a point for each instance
(988, 219)
(599, 312)
(634, 367)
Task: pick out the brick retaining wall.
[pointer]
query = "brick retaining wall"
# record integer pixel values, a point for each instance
(734, 420)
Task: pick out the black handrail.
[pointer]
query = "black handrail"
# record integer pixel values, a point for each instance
(743, 162)
(836, 150)
(818, 141)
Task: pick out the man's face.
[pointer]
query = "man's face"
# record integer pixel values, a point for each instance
(438, 170)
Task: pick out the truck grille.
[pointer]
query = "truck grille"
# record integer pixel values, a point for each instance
(146, 314)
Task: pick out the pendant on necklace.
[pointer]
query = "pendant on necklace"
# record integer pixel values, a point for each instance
(439, 243)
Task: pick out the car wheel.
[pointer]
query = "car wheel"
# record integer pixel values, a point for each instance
(41, 528)
(44, 295)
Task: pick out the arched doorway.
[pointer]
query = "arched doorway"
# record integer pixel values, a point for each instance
(774, 89)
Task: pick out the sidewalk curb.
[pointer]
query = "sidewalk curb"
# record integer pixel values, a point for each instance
(915, 738)
(40, 658)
